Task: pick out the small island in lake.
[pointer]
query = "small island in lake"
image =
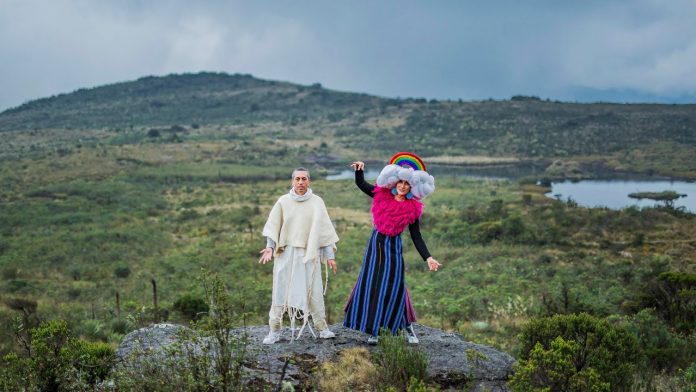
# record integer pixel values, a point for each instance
(666, 196)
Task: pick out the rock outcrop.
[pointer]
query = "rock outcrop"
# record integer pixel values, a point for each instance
(453, 363)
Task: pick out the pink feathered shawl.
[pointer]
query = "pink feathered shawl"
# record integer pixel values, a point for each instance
(391, 217)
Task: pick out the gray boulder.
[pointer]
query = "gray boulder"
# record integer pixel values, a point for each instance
(453, 363)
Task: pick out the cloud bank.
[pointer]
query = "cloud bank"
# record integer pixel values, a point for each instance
(625, 50)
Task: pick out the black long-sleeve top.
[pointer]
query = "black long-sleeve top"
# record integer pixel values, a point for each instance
(413, 228)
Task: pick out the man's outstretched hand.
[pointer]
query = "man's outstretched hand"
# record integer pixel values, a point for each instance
(266, 255)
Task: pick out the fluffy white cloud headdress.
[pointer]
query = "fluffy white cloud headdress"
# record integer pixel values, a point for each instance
(422, 183)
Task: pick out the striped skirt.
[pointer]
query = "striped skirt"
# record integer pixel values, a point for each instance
(379, 298)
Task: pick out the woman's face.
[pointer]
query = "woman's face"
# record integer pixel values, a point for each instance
(402, 188)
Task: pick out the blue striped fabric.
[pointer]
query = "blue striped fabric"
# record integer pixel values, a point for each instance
(378, 299)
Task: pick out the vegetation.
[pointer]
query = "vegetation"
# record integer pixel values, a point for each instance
(213, 360)
(575, 353)
(53, 360)
(394, 367)
(91, 215)
(399, 365)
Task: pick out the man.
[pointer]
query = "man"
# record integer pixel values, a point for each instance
(301, 236)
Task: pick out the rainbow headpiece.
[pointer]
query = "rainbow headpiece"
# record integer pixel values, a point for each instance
(407, 159)
(409, 167)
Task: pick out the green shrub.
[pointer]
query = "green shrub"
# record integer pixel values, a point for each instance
(660, 348)
(9, 273)
(513, 228)
(554, 369)
(191, 307)
(56, 361)
(92, 359)
(16, 285)
(93, 329)
(590, 344)
(122, 271)
(47, 364)
(486, 232)
(397, 363)
(673, 295)
(121, 326)
(687, 378)
(13, 373)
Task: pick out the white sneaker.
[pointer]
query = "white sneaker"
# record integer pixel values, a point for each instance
(412, 338)
(372, 340)
(272, 337)
(326, 334)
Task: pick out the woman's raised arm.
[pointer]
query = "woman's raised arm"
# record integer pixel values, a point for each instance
(360, 178)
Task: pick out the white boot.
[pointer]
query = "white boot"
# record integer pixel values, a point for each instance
(272, 337)
(412, 338)
(326, 334)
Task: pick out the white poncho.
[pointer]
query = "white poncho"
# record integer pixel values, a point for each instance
(299, 229)
(302, 224)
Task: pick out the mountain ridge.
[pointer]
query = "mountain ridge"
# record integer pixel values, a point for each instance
(645, 138)
(158, 100)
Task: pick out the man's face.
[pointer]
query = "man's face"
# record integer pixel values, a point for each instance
(300, 182)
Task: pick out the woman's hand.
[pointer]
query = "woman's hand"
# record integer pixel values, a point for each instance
(266, 255)
(358, 165)
(433, 264)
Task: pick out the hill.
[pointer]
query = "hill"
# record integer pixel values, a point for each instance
(650, 138)
(199, 98)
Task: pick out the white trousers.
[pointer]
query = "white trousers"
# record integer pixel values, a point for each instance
(297, 290)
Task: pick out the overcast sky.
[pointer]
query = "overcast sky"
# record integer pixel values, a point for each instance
(625, 51)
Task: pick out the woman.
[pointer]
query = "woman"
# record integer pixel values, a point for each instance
(379, 299)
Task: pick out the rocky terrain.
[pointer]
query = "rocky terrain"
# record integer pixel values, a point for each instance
(453, 362)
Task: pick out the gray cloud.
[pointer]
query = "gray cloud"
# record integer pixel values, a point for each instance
(444, 49)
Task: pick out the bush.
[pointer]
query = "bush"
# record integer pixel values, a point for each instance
(486, 232)
(554, 369)
(191, 307)
(121, 326)
(13, 374)
(122, 271)
(660, 348)
(56, 361)
(16, 285)
(599, 352)
(93, 330)
(397, 363)
(687, 378)
(94, 359)
(673, 296)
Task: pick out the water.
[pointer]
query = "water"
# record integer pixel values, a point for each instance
(614, 193)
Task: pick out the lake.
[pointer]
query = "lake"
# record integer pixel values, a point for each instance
(614, 193)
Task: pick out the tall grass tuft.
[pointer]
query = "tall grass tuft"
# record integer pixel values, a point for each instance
(398, 363)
